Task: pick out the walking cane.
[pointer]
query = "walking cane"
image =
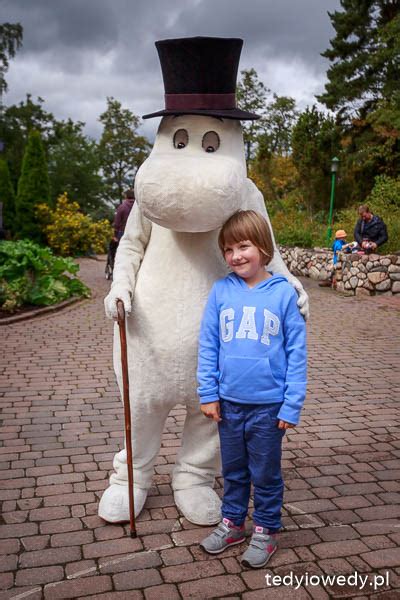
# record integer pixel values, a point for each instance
(127, 412)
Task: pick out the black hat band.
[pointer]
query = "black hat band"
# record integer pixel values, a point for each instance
(200, 101)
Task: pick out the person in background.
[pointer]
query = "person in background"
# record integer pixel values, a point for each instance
(338, 245)
(122, 214)
(370, 230)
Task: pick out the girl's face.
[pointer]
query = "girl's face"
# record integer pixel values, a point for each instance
(246, 260)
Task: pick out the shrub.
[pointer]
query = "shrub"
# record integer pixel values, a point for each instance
(31, 274)
(70, 232)
(293, 227)
(384, 201)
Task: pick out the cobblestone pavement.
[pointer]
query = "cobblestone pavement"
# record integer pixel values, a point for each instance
(62, 424)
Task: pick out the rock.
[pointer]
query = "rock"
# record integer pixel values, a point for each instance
(396, 287)
(394, 269)
(353, 282)
(362, 276)
(354, 271)
(377, 276)
(314, 273)
(368, 265)
(386, 261)
(347, 285)
(383, 286)
(378, 268)
(361, 291)
(395, 276)
(340, 286)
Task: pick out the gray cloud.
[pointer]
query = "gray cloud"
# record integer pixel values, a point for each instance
(77, 52)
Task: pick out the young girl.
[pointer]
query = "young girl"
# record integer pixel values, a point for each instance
(252, 381)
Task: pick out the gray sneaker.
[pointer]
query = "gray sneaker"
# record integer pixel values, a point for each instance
(225, 535)
(262, 546)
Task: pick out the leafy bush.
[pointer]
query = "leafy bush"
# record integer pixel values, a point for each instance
(71, 233)
(294, 227)
(31, 274)
(384, 201)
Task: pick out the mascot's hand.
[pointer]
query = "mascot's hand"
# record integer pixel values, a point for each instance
(302, 301)
(110, 302)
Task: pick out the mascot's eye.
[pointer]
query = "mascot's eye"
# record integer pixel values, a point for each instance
(181, 139)
(210, 141)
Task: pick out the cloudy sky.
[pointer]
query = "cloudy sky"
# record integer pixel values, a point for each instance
(77, 52)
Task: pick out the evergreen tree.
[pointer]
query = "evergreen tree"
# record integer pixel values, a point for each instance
(365, 53)
(7, 196)
(33, 188)
(16, 123)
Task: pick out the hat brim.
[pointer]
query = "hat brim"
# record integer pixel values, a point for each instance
(234, 113)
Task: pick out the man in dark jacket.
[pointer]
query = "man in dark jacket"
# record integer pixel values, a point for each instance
(122, 214)
(370, 231)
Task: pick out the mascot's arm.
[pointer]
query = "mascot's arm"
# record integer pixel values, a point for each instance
(254, 201)
(127, 262)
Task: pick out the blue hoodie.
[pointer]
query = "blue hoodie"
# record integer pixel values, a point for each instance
(252, 347)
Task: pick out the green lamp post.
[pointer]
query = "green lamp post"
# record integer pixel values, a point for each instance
(334, 169)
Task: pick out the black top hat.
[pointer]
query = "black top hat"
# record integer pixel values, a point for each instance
(200, 77)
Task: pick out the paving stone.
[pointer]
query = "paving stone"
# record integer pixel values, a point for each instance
(39, 576)
(212, 588)
(384, 557)
(78, 588)
(137, 579)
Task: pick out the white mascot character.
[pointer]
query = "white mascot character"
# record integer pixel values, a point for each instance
(167, 260)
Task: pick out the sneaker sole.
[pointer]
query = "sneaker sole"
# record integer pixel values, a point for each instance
(224, 548)
(246, 563)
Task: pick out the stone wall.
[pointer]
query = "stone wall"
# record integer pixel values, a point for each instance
(357, 274)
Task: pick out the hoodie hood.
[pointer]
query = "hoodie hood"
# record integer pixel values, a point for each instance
(261, 287)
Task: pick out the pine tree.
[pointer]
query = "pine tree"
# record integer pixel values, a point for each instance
(33, 188)
(365, 54)
(7, 197)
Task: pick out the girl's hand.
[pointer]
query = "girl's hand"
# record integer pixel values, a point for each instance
(285, 425)
(212, 411)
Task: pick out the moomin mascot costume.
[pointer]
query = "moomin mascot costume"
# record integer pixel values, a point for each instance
(193, 180)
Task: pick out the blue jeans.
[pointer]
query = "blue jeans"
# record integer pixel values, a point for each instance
(251, 450)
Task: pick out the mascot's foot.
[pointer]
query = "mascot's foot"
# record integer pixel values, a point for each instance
(114, 503)
(200, 505)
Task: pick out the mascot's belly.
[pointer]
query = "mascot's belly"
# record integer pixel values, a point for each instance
(173, 283)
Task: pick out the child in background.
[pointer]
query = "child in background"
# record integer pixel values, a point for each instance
(252, 381)
(338, 245)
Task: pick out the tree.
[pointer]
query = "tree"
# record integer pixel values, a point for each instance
(33, 189)
(74, 167)
(121, 149)
(281, 115)
(16, 123)
(315, 141)
(252, 97)
(7, 196)
(365, 53)
(10, 42)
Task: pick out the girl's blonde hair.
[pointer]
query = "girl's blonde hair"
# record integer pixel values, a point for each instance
(248, 225)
